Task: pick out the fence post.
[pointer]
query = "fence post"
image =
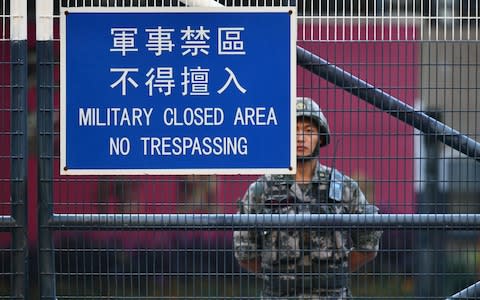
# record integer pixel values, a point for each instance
(430, 246)
(18, 144)
(45, 117)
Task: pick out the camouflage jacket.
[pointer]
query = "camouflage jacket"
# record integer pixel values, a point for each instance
(289, 250)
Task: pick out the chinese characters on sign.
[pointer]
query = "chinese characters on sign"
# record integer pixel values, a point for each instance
(177, 92)
(194, 81)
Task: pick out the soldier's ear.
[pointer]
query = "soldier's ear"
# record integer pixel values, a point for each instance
(322, 140)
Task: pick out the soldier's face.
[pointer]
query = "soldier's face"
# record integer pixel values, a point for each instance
(307, 136)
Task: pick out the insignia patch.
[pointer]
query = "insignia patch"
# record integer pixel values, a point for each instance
(336, 186)
(301, 106)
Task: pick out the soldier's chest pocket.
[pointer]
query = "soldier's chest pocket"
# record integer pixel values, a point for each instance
(323, 243)
(280, 206)
(280, 244)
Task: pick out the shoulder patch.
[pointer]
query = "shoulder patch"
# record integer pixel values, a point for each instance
(336, 185)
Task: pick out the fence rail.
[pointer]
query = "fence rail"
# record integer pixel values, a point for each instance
(261, 221)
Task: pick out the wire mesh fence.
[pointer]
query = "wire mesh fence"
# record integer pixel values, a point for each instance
(5, 112)
(13, 147)
(5, 271)
(172, 236)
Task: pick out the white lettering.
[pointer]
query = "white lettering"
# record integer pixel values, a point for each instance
(114, 116)
(136, 115)
(85, 117)
(147, 113)
(125, 118)
(115, 111)
(272, 117)
(119, 146)
(166, 146)
(99, 120)
(200, 116)
(255, 116)
(188, 146)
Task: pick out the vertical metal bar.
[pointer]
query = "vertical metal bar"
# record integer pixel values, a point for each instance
(45, 167)
(18, 147)
(430, 246)
(19, 172)
(45, 117)
(289, 2)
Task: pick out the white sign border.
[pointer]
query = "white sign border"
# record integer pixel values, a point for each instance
(64, 170)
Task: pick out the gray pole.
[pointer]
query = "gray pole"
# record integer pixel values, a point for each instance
(45, 113)
(471, 292)
(388, 103)
(429, 244)
(257, 221)
(46, 135)
(19, 147)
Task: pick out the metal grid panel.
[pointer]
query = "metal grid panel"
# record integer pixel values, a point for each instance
(419, 52)
(5, 132)
(5, 270)
(12, 153)
(398, 20)
(5, 104)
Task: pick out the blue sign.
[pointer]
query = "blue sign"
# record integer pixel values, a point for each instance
(178, 91)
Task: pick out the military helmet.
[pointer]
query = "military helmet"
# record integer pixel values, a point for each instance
(307, 108)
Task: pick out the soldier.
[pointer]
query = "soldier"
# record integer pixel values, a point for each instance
(306, 263)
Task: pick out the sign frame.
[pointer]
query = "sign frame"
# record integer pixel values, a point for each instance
(65, 170)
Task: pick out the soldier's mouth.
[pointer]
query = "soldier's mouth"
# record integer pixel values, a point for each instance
(301, 149)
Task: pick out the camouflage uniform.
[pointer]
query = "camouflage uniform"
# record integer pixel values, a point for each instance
(304, 263)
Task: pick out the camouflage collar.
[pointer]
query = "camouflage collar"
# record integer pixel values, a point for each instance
(321, 173)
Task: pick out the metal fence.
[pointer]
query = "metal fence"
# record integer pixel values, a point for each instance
(13, 150)
(398, 82)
